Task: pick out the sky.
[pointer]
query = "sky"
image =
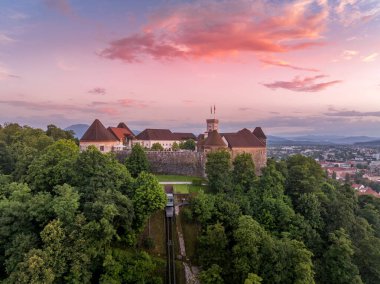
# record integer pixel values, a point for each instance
(292, 67)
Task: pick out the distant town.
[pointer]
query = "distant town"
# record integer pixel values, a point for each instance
(356, 164)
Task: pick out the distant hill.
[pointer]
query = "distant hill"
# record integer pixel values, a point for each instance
(136, 132)
(369, 143)
(320, 140)
(79, 129)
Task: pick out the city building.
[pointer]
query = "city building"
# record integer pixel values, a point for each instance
(242, 141)
(164, 137)
(107, 140)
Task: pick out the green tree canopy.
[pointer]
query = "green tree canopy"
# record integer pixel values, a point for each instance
(243, 173)
(175, 146)
(157, 147)
(55, 166)
(218, 171)
(137, 162)
(148, 197)
(188, 145)
(57, 133)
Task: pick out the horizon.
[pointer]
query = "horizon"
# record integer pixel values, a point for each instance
(293, 68)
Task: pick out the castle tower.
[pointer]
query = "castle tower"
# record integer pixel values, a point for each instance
(212, 124)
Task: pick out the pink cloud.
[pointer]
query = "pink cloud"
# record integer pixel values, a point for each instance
(281, 63)
(307, 84)
(204, 29)
(98, 91)
(109, 111)
(132, 103)
(110, 107)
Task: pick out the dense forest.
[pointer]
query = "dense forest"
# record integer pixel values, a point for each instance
(290, 225)
(75, 217)
(68, 216)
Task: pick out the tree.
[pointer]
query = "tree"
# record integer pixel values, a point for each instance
(175, 146)
(213, 245)
(157, 147)
(122, 266)
(243, 173)
(212, 275)
(6, 163)
(203, 207)
(277, 261)
(218, 170)
(137, 162)
(96, 171)
(253, 279)
(148, 197)
(336, 264)
(304, 175)
(57, 133)
(250, 238)
(188, 145)
(54, 167)
(310, 207)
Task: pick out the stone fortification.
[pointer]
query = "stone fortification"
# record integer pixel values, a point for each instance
(174, 163)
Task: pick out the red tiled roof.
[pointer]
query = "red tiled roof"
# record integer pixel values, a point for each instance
(214, 139)
(97, 132)
(156, 134)
(242, 139)
(368, 191)
(120, 133)
(184, 136)
(123, 125)
(259, 133)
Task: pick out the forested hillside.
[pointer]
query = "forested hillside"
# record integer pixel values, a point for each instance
(71, 217)
(291, 225)
(75, 217)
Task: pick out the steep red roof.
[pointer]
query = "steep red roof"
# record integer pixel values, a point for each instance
(214, 139)
(242, 139)
(259, 133)
(156, 134)
(123, 125)
(96, 133)
(120, 133)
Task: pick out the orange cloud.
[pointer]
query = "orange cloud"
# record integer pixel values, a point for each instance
(307, 84)
(281, 63)
(203, 29)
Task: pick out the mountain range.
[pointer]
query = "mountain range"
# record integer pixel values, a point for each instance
(322, 140)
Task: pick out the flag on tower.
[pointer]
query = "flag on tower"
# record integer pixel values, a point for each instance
(214, 109)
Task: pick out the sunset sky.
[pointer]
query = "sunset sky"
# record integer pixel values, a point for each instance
(292, 67)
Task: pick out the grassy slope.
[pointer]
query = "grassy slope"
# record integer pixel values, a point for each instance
(157, 233)
(163, 178)
(191, 231)
(188, 188)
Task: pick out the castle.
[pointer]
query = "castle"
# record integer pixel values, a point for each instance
(121, 138)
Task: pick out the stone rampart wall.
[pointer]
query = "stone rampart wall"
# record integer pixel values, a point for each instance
(173, 163)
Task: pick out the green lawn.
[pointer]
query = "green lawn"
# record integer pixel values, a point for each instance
(163, 178)
(188, 188)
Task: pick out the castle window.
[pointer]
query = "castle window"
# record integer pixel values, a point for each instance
(101, 148)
